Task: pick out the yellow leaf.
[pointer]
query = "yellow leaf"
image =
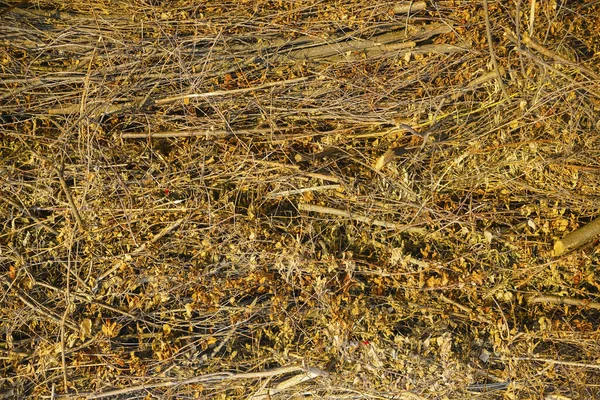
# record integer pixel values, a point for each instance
(110, 329)
(188, 309)
(85, 329)
(211, 340)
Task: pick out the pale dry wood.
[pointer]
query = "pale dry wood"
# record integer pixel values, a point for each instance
(488, 31)
(360, 218)
(577, 238)
(529, 42)
(216, 93)
(95, 110)
(311, 373)
(208, 133)
(582, 85)
(388, 41)
(302, 190)
(63, 320)
(531, 16)
(87, 298)
(564, 301)
(328, 178)
(70, 200)
(216, 377)
(465, 309)
(558, 362)
(409, 7)
(475, 83)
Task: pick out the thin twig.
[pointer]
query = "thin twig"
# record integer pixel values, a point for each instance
(67, 192)
(217, 377)
(529, 42)
(488, 31)
(531, 17)
(360, 218)
(232, 92)
(39, 308)
(303, 190)
(88, 298)
(466, 309)
(557, 362)
(208, 133)
(26, 211)
(140, 249)
(64, 317)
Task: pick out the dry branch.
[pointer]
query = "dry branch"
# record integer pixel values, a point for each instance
(360, 218)
(529, 42)
(39, 309)
(409, 7)
(72, 205)
(310, 373)
(302, 190)
(577, 238)
(488, 30)
(565, 300)
(97, 110)
(26, 211)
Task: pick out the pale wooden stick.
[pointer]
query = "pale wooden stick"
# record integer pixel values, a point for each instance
(99, 109)
(578, 238)
(409, 7)
(529, 42)
(488, 31)
(315, 175)
(193, 133)
(360, 218)
(230, 92)
(302, 190)
(225, 376)
(70, 200)
(564, 300)
(558, 362)
(531, 17)
(63, 356)
(466, 309)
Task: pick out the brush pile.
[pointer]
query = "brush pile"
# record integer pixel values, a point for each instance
(293, 199)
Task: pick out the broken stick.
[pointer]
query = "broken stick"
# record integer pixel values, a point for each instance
(577, 238)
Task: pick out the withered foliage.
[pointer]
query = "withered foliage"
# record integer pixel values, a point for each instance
(290, 199)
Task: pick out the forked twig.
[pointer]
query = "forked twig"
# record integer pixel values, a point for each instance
(67, 192)
(26, 211)
(488, 31)
(38, 308)
(140, 249)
